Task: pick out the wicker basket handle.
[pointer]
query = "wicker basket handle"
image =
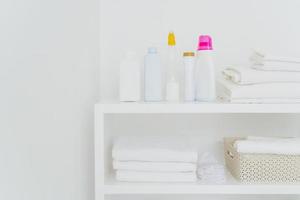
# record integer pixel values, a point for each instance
(230, 154)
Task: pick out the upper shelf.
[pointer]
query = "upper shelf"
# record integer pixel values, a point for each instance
(195, 108)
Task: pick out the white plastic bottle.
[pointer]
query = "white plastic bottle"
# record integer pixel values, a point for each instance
(130, 78)
(205, 72)
(189, 73)
(153, 76)
(172, 79)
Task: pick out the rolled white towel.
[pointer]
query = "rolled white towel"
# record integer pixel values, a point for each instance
(212, 173)
(155, 166)
(209, 170)
(156, 149)
(136, 176)
(269, 146)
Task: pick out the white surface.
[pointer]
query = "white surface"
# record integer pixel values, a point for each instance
(130, 78)
(197, 188)
(196, 108)
(48, 83)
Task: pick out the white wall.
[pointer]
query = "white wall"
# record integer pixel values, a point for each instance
(48, 85)
(236, 26)
(48, 73)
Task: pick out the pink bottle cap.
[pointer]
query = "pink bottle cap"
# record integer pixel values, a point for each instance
(205, 42)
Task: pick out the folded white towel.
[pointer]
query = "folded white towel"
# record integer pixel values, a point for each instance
(244, 76)
(260, 91)
(272, 146)
(262, 61)
(260, 57)
(157, 149)
(135, 176)
(154, 166)
(277, 66)
(272, 138)
(225, 98)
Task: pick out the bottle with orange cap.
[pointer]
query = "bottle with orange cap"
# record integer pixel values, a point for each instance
(189, 83)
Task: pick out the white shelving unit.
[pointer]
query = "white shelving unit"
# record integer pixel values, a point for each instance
(113, 119)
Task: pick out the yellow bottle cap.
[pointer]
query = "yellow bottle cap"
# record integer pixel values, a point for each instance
(171, 39)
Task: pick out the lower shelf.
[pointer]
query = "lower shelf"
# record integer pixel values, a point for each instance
(231, 187)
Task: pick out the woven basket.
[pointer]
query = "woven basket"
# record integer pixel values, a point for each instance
(261, 168)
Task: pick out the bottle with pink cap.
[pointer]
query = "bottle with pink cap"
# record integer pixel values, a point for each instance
(205, 82)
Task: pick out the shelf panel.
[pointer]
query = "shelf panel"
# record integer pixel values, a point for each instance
(195, 108)
(230, 187)
(199, 189)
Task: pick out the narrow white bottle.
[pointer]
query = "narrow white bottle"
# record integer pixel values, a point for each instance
(172, 78)
(205, 72)
(189, 73)
(130, 78)
(153, 76)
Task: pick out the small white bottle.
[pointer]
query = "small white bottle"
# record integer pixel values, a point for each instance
(205, 72)
(130, 78)
(153, 76)
(189, 73)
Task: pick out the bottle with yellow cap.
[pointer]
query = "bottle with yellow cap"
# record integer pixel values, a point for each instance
(172, 87)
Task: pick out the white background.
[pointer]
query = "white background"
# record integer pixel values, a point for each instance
(49, 55)
(48, 85)
(236, 27)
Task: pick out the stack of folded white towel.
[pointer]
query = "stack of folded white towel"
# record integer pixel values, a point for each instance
(268, 145)
(210, 171)
(269, 80)
(154, 159)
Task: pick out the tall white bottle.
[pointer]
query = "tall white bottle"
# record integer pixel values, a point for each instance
(130, 78)
(189, 73)
(172, 76)
(205, 71)
(153, 76)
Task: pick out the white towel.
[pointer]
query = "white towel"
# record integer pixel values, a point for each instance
(212, 173)
(260, 57)
(260, 91)
(209, 170)
(157, 149)
(244, 76)
(225, 98)
(277, 66)
(272, 146)
(154, 166)
(272, 138)
(262, 61)
(135, 176)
